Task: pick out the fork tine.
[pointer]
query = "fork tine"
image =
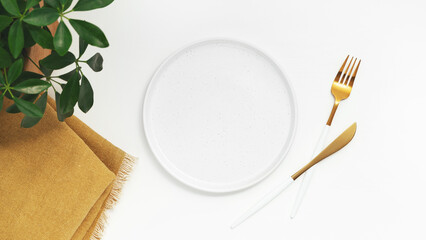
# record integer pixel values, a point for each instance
(347, 68)
(346, 81)
(337, 78)
(351, 83)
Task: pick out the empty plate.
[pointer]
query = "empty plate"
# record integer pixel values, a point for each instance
(219, 115)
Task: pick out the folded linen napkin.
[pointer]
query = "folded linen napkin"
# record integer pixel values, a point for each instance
(57, 179)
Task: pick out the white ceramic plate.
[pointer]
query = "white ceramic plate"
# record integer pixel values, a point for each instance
(219, 115)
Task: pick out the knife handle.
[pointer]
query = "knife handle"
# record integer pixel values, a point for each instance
(262, 202)
(308, 174)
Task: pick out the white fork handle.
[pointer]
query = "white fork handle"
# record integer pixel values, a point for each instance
(262, 202)
(308, 174)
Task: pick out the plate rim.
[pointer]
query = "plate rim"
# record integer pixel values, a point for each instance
(167, 166)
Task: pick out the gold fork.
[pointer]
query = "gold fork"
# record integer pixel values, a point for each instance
(341, 89)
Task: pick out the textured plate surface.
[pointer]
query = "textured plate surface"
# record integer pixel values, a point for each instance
(219, 115)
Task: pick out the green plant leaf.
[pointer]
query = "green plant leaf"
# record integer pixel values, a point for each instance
(95, 62)
(85, 99)
(31, 3)
(53, 3)
(16, 39)
(46, 71)
(27, 97)
(67, 76)
(61, 116)
(42, 16)
(47, 29)
(54, 61)
(28, 108)
(13, 109)
(41, 36)
(5, 58)
(28, 39)
(2, 79)
(21, 5)
(82, 46)
(2, 11)
(15, 70)
(86, 5)
(62, 40)
(11, 6)
(62, 2)
(32, 86)
(69, 95)
(28, 121)
(5, 21)
(67, 4)
(25, 76)
(90, 33)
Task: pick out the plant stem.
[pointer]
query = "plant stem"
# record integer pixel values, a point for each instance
(79, 69)
(54, 89)
(5, 77)
(54, 81)
(7, 87)
(11, 94)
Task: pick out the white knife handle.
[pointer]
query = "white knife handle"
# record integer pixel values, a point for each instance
(308, 174)
(262, 202)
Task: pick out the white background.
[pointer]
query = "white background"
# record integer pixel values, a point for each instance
(373, 189)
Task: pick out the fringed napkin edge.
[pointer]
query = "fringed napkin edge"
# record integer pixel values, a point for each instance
(117, 185)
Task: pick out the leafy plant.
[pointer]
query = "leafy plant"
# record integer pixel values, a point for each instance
(23, 23)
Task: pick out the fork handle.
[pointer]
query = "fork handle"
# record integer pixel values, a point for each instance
(308, 174)
(333, 111)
